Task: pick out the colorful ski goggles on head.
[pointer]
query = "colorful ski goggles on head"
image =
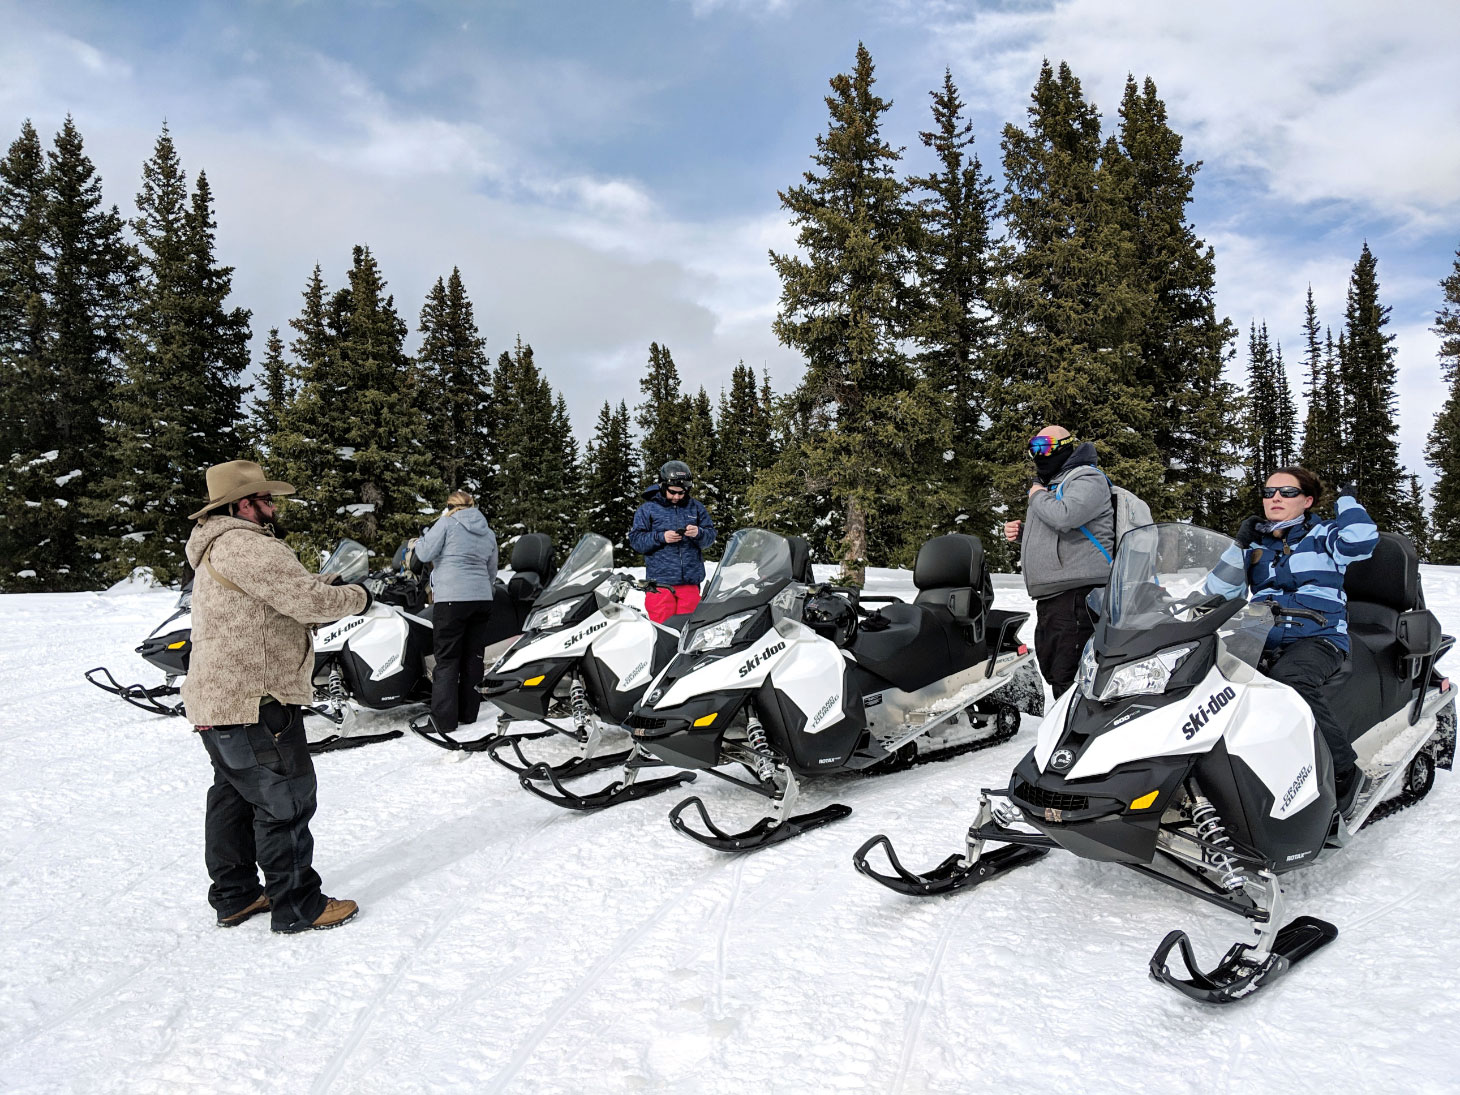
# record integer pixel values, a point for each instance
(1040, 445)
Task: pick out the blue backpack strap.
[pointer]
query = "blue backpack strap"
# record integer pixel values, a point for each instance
(1059, 493)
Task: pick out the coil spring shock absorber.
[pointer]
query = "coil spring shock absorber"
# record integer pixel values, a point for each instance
(338, 693)
(1210, 829)
(765, 765)
(582, 713)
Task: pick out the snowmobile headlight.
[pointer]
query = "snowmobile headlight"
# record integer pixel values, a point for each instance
(717, 635)
(552, 616)
(1145, 677)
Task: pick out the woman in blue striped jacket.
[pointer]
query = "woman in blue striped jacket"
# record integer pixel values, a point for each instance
(1292, 557)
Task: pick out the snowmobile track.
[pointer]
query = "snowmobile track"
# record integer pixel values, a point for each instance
(914, 1025)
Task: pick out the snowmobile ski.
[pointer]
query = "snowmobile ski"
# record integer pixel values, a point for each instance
(616, 793)
(1240, 974)
(336, 742)
(959, 871)
(424, 727)
(762, 834)
(569, 769)
(136, 694)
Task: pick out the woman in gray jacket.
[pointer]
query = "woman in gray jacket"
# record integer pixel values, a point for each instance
(463, 549)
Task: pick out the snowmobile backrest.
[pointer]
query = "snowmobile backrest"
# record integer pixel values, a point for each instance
(950, 573)
(1388, 578)
(532, 566)
(800, 559)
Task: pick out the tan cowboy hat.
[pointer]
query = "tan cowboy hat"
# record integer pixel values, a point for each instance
(234, 480)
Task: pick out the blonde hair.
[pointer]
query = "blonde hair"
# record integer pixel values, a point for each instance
(459, 499)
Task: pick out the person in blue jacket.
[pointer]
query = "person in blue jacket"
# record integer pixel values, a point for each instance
(671, 531)
(463, 549)
(1290, 556)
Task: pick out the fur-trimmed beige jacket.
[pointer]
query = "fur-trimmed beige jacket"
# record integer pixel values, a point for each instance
(254, 641)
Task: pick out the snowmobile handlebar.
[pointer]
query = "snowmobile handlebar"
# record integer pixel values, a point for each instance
(1299, 613)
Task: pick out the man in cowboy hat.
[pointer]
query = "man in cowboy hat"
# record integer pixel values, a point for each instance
(250, 673)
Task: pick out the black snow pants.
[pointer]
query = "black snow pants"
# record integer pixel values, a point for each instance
(1062, 627)
(1304, 665)
(259, 807)
(459, 631)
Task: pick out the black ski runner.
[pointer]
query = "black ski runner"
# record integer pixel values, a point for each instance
(762, 834)
(617, 792)
(1238, 975)
(953, 874)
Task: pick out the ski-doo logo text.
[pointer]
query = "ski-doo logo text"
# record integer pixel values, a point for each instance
(331, 636)
(1203, 714)
(1297, 785)
(764, 655)
(574, 640)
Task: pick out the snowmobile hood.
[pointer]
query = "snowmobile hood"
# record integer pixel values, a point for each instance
(210, 528)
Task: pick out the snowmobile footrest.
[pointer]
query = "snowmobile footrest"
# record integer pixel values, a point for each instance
(135, 694)
(614, 794)
(569, 769)
(762, 834)
(950, 876)
(1239, 976)
(334, 743)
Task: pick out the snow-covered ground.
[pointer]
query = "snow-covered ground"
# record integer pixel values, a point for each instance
(506, 945)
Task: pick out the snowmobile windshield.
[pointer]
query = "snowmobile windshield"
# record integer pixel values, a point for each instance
(590, 561)
(757, 564)
(350, 561)
(1160, 577)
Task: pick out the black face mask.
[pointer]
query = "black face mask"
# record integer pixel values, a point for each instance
(277, 527)
(1053, 463)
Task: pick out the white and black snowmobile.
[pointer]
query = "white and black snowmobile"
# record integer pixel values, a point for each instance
(1175, 756)
(584, 658)
(780, 677)
(379, 660)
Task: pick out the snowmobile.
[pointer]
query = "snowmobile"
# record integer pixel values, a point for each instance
(787, 679)
(1175, 756)
(379, 660)
(583, 660)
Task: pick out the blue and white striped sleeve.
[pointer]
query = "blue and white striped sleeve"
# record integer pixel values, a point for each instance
(1352, 535)
(1229, 576)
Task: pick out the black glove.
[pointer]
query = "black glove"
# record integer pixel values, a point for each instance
(1348, 490)
(1247, 532)
(369, 598)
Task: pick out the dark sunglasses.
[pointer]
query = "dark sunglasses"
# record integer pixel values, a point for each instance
(1286, 492)
(675, 490)
(1043, 446)
(269, 498)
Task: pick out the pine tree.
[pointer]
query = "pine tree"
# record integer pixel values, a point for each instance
(1369, 373)
(701, 449)
(1270, 419)
(276, 390)
(68, 277)
(663, 416)
(844, 306)
(456, 374)
(1073, 301)
(611, 479)
(179, 408)
(1322, 426)
(1442, 447)
(1412, 522)
(744, 425)
(352, 439)
(1183, 344)
(1287, 411)
(533, 449)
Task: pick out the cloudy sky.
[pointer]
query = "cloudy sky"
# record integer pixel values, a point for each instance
(605, 173)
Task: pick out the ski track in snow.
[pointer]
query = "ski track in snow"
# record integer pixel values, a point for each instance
(505, 945)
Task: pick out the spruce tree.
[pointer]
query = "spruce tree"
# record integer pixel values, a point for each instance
(1184, 345)
(351, 441)
(456, 374)
(179, 408)
(275, 390)
(1371, 461)
(611, 479)
(663, 416)
(701, 451)
(1442, 446)
(1269, 420)
(844, 305)
(744, 426)
(1412, 521)
(1320, 452)
(69, 277)
(1073, 300)
(533, 449)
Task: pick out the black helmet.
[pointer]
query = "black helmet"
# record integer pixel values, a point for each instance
(832, 617)
(675, 473)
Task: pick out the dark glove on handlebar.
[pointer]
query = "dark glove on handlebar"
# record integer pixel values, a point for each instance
(1348, 490)
(1247, 532)
(369, 598)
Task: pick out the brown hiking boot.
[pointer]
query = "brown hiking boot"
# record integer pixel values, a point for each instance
(260, 904)
(335, 913)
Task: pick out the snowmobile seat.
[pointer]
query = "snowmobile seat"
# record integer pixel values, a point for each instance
(532, 566)
(950, 574)
(1386, 621)
(911, 652)
(800, 560)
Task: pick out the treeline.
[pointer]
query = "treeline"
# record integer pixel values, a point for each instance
(943, 320)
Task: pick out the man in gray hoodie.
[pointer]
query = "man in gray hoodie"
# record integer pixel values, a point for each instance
(463, 549)
(1067, 538)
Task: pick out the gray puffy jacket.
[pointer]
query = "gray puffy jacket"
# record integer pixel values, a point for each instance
(1056, 555)
(463, 548)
